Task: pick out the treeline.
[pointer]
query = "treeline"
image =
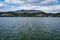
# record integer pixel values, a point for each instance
(39, 14)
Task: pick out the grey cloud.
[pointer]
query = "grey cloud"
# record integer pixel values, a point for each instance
(40, 2)
(33, 2)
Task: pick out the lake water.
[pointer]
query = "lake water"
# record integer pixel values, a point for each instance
(29, 28)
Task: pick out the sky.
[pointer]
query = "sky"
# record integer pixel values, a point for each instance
(49, 6)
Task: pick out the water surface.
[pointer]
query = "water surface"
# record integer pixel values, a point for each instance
(29, 28)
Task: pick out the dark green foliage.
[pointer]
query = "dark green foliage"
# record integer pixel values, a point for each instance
(38, 14)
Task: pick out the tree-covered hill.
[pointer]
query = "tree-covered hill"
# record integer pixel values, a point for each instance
(28, 13)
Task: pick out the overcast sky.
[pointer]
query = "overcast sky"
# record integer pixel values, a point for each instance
(44, 5)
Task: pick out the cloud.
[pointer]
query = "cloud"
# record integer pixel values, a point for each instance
(51, 9)
(14, 1)
(44, 5)
(1, 4)
(35, 2)
(49, 1)
(32, 2)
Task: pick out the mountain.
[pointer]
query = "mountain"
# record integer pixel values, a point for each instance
(28, 11)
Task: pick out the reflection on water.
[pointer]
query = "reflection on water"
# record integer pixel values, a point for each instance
(29, 28)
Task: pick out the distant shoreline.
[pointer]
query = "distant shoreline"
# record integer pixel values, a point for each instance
(25, 14)
(8, 16)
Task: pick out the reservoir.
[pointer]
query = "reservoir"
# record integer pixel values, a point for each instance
(29, 28)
